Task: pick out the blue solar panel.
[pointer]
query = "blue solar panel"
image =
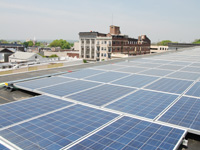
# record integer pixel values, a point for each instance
(149, 65)
(107, 77)
(170, 67)
(156, 72)
(144, 103)
(170, 85)
(102, 94)
(136, 80)
(82, 73)
(132, 69)
(26, 109)
(132, 134)
(161, 61)
(68, 88)
(39, 83)
(181, 63)
(56, 130)
(2, 147)
(184, 113)
(195, 90)
(191, 69)
(185, 75)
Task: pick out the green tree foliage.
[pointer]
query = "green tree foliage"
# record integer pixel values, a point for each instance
(164, 42)
(52, 56)
(63, 44)
(4, 41)
(197, 41)
(37, 44)
(28, 44)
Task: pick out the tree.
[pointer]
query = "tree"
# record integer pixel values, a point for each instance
(28, 44)
(164, 42)
(63, 44)
(197, 41)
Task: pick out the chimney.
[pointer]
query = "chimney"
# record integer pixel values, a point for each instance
(114, 30)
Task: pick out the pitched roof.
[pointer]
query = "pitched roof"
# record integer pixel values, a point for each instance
(22, 55)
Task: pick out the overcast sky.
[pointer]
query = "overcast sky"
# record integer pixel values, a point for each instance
(176, 20)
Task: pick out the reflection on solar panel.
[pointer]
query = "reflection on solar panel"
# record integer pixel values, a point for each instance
(136, 80)
(102, 94)
(195, 90)
(156, 72)
(39, 83)
(132, 134)
(21, 110)
(143, 103)
(109, 67)
(184, 75)
(68, 88)
(185, 113)
(107, 77)
(171, 67)
(191, 69)
(82, 73)
(170, 85)
(181, 63)
(3, 147)
(132, 69)
(58, 129)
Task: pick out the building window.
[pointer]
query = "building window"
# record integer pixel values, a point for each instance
(105, 42)
(102, 55)
(105, 55)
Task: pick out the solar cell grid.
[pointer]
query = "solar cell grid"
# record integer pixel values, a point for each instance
(68, 88)
(156, 72)
(170, 85)
(149, 65)
(101, 95)
(2, 147)
(26, 109)
(143, 103)
(195, 90)
(58, 129)
(129, 63)
(129, 133)
(184, 113)
(82, 73)
(132, 69)
(107, 77)
(34, 84)
(136, 80)
(170, 67)
(191, 69)
(181, 63)
(185, 75)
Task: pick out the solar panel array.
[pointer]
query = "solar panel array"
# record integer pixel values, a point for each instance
(143, 103)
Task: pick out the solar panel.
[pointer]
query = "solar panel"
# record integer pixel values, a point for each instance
(143, 60)
(184, 113)
(195, 90)
(170, 67)
(57, 129)
(2, 147)
(195, 64)
(101, 95)
(136, 80)
(128, 63)
(107, 77)
(149, 65)
(68, 88)
(143, 103)
(109, 67)
(170, 85)
(185, 75)
(191, 69)
(132, 69)
(161, 61)
(25, 109)
(132, 134)
(181, 63)
(82, 73)
(156, 72)
(39, 83)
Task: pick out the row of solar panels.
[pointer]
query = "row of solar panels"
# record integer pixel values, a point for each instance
(114, 102)
(45, 122)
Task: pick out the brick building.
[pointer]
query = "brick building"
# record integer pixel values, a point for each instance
(100, 46)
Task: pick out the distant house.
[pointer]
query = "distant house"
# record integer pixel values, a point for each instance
(23, 57)
(16, 46)
(5, 53)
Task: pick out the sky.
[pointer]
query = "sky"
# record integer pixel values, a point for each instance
(175, 20)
